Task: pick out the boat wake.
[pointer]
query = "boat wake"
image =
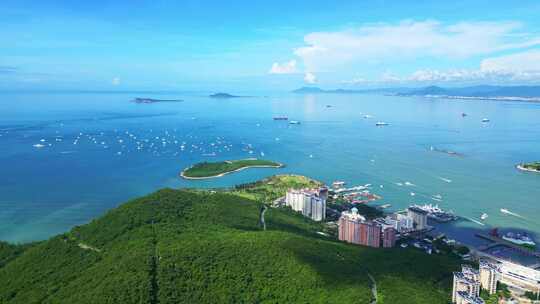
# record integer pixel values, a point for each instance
(474, 221)
(445, 179)
(506, 211)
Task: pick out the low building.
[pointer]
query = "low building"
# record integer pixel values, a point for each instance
(419, 217)
(519, 276)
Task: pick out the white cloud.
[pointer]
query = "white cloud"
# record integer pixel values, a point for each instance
(310, 78)
(116, 81)
(283, 68)
(528, 61)
(408, 40)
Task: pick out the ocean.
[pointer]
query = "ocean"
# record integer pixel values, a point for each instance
(67, 158)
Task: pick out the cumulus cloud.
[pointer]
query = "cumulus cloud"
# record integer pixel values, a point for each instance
(283, 68)
(310, 78)
(116, 81)
(528, 61)
(409, 40)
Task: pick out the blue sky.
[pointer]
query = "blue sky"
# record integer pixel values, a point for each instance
(278, 45)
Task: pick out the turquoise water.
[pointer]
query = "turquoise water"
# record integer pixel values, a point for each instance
(48, 190)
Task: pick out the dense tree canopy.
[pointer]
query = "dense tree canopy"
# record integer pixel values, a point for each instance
(186, 246)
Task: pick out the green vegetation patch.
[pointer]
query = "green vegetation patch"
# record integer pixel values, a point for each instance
(215, 169)
(532, 166)
(186, 246)
(274, 187)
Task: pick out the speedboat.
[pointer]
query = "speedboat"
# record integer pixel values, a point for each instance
(381, 123)
(485, 120)
(484, 216)
(38, 146)
(294, 122)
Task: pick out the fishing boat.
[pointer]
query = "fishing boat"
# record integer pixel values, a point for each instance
(281, 118)
(485, 120)
(381, 124)
(294, 122)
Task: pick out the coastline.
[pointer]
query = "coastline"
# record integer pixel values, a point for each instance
(182, 175)
(520, 167)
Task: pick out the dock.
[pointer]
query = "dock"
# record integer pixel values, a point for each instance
(497, 241)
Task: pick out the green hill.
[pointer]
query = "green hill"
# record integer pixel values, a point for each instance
(190, 246)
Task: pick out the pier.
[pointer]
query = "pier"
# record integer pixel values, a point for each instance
(497, 241)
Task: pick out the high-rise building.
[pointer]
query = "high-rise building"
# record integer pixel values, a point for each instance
(311, 202)
(463, 297)
(405, 222)
(489, 276)
(354, 228)
(389, 237)
(349, 226)
(419, 217)
(466, 287)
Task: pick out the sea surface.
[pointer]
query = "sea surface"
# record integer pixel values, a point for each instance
(100, 150)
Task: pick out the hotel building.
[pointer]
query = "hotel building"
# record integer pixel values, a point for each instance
(311, 202)
(389, 237)
(463, 297)
(418, 216)
(353, 228)
(489, 275)
(466, 287)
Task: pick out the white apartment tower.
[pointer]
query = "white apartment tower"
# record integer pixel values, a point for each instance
(466, 286)
(311, 202)
(489, 275)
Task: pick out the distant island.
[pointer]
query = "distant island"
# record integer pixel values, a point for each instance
(530, 167)
(317, 90)
(206, 170)
(224, 95)
(483, 92)
(152, 100)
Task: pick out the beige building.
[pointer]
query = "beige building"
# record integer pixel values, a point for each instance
(466, 287)
(463, 297)
(489, 275)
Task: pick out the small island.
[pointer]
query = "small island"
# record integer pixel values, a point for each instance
(530, 167)
(224, 96)
(206, 170)
(151, 100)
